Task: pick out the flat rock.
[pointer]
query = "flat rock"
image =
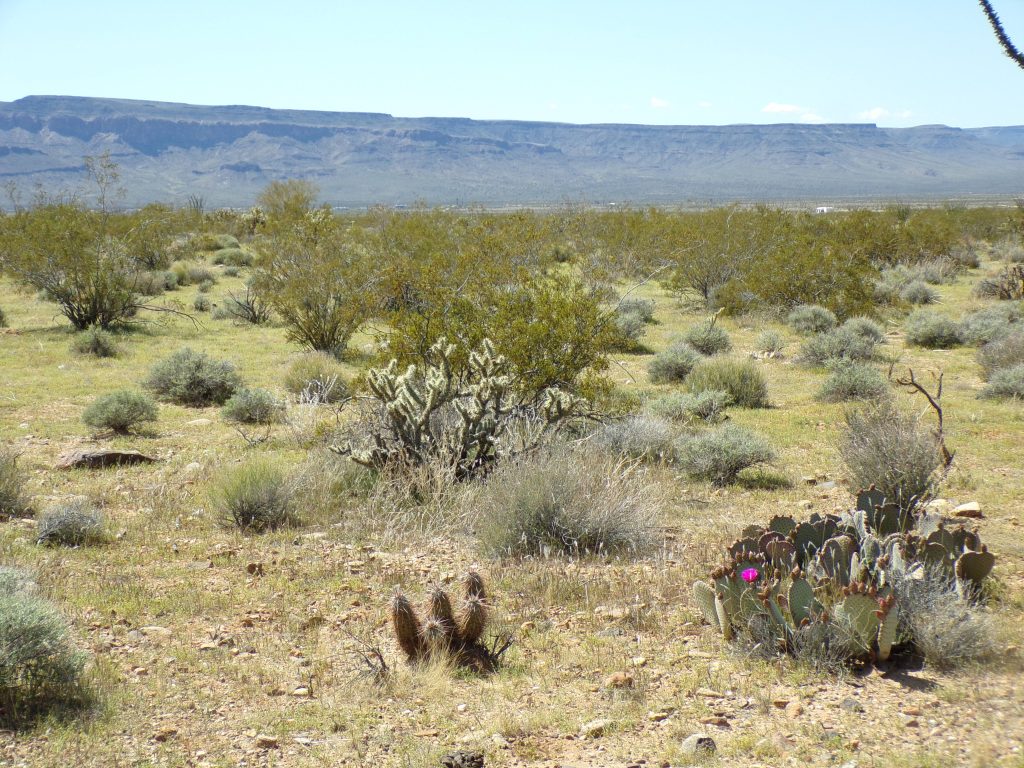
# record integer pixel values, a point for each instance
(698, 744)
(199, 422)
(970, 509)
(595, 728)
(103, 458)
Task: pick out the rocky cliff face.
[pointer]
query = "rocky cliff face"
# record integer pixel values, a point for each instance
(227, 154)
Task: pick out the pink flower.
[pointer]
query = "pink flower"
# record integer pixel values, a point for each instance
(749, 575)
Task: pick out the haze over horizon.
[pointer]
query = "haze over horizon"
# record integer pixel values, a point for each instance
(653, 63)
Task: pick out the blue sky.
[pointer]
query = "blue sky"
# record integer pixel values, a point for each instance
(893, 62)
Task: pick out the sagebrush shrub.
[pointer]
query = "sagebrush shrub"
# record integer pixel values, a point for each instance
(708, 338)
(719, 455)
(193, 379)
(1006, 383)
(201, 303)
(638, 436)
(673, 364)
(201, 276)
(919, 292)
(1003, 352)
(838, 344)
(708, 406)
(210, 242)
(255, 497)
(13, 499)
(121, 412)
(770, 342)
(965, 257)
(990, 323)
(630, 328)
(890, 448)
(40, 668)
(937, 271)
(866, 328)
(927, 328)
(810, 318)
(568, 504)
(316, 377)
(642, 308)
(74, 523)
(96, 342)
(849, 380)
(741, 379)
(253, 406)
(232, 257)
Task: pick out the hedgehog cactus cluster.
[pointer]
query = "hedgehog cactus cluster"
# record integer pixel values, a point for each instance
(838, 569)
(444, 632)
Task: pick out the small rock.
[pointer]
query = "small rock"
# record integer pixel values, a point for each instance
(828, 485)
(780, 703)
(910, 722)
(155, 631)
(970, 509)
(426, 733)
(301, 691)
(192, 468)
(851, 705)
(912, 711)
(463, 759)
(794, 709)
(718, 720)
(941, 506)
(805, 504)
(698, 744)
(98, 459)
(165, 733)
(707, 693)
(808, 480)
(595, 728)
(199, 422)
(619, 680)
(254, 569)
(657, 717)
(266, 741)
(527, 627)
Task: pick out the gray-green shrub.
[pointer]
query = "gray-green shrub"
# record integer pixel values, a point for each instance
(810, 318)
(96, 342)
(14, 501)
(232, 257)
(673, 364)
(708, 338)
(927, 328)
(253, 406)
(989, 323)
(193, 379)
(719, 455)
(919, 292)
(630, 329)
(567, 504)
(255, 497)
(122, 412)
(708, 406)
(1003, 352)
(642, 308)
(74, 523)
(866, 328)
(201, 303)
(316, 377)
(838, 344)
(741, 379)
(850, 380)
(638, 436)
(770, 341)
(1006, 383)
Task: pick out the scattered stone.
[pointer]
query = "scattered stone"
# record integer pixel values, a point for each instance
(781, 703)
(698, 744)
(718, 720)
(199, 422)
(970, 509)
(266, 741)
(805, 504)
(808, 480)
(707, 693)
(165, 733)
(794, 709)
(155, 631)
(940, 506)
(302, 691)
(463, 759)
(426, 733)
(912, 711)
(595, 728)
(82, 459)
(910, 722)
(657, 717)
(619, 680)
(851, 705)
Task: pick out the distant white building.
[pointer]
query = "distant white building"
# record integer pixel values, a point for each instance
(824, 209)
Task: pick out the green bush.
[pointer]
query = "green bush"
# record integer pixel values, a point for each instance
(246, 307)
(927, 328)
(630, 329)
(211, 242)
(316, 377)
(642, 308)
(192, 379)
(849, 380)
(40, 668)
(201, 303)
(232, 257)
(919, 292)
(253, 406)
(891, 449)
(201, 276)
(121, 412)
(567, 504)
(708, 338)
(13, 499)
(838, 344)
(990, 323)
(1003, 352)
(719, 455)
(810, 318)
(96, 342)
(770, 341)
(232, 271)
(1006, 383)
(708, 406)
(741, 379)
(255, 497)
(674, 364)
(75, 523)
(866, 328)
(639, 436)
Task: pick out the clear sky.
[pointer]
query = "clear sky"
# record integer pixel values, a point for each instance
(892, 62)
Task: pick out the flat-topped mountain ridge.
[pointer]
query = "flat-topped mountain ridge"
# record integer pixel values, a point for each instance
(226, 154)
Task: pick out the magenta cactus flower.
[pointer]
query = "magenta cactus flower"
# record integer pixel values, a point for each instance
(750, 575)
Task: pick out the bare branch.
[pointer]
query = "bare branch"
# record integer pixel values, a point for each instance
(1004, 39)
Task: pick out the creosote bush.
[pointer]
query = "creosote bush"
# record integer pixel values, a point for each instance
(674, 364)
(741, 379)
(708, 338)
(40, 668)
(13, 499)
(96, 342)
(1004, 352)
(1006, 383)
(719, 455)
(839, 344)
(253, 406)
(572, 504)
(122, 412)
(193, 379)
(316, 377)
(890, 448)
(255, 497)
(849, 380)
(75, 523)
(927, 328)
(810, 318)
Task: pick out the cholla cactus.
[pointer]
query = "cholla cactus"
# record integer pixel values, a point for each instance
(443, 631)
(435, 415)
